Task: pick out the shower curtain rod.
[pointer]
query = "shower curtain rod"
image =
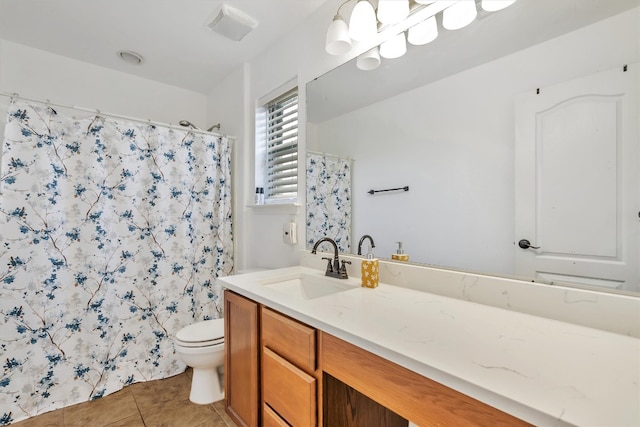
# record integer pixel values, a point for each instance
(116, 116)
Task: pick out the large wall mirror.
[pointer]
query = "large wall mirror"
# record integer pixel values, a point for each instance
(448, 121)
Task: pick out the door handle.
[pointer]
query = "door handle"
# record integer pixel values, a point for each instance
(525, 244)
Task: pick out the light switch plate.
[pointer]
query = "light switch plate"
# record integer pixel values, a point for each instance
(289, 233)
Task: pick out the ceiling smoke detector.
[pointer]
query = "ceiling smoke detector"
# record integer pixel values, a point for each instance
(130, 57)
(232, 23)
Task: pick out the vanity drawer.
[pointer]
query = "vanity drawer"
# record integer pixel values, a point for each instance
(288, 390)
(290, 339)
(271, 419)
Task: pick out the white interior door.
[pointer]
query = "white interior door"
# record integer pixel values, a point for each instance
(577, 182)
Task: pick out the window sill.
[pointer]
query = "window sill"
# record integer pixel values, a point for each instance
(276, 208)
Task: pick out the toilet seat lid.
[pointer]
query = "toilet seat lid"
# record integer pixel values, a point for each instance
(207, 330)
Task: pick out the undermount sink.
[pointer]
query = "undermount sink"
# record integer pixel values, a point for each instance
(308, 286)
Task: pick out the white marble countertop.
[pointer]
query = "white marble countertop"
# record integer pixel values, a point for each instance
(544, 371)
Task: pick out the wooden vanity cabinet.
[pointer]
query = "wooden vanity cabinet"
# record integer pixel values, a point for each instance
(280, 372)
(241, 362)
(271, 369)
(289, 370)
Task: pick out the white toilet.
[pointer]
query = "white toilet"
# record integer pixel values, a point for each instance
(201, 346)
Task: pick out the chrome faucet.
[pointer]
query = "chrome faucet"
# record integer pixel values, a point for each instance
(362, 239)
(335, 269)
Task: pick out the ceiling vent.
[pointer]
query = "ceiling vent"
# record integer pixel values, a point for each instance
(232, 23)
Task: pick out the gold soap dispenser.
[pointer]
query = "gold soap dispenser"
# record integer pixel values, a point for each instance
(370, 269)
(400, 255)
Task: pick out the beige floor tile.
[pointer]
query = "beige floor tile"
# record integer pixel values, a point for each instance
(149, 395)
(182, 413)
(213, 423)
(161, 403)
(132, 421)
(49, 419)
(219, 407)
(101, 412)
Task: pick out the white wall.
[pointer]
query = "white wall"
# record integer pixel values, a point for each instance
(453, 154)
(227, 104)
(42, 75)
(300, 56)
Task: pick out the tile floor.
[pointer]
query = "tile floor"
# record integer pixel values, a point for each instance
(160, 403)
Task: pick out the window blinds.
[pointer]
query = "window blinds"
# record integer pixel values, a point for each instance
(282, 147)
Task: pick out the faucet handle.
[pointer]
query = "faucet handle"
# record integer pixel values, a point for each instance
(329, 266)
(344, 267)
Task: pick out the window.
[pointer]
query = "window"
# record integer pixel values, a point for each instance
(277, 141)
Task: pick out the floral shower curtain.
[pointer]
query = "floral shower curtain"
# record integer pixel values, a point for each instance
(112, 235)
(329, 200)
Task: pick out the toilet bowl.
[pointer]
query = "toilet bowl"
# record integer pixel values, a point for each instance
(201, 346)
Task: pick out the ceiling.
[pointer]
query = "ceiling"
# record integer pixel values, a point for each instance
(172, 36)
(180, 50)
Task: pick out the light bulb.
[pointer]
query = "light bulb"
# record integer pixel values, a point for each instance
(392, 11)
(338, 41)
(424, 32)
(369, 60)
(495, 5)
(363, 24)
(395, 47)
(459, 14)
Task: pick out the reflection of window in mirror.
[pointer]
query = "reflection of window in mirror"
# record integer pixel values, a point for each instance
(276, 158)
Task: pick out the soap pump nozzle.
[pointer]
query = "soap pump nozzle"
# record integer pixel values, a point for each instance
(370, 253)
(400, 255)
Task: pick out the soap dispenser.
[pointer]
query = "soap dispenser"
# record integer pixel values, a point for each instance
(400, 255)
(370, 270)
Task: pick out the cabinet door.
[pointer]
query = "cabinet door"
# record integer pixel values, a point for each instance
(242, 401)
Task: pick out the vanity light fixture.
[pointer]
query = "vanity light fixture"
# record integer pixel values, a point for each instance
(370, 60)
(459, 15)
(495, 5)
(338, 41)
(363, 25)
(424, 32)
(392, 11)
(395, 47)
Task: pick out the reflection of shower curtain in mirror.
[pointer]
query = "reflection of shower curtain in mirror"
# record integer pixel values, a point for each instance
(112, 235)
(329, 200)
